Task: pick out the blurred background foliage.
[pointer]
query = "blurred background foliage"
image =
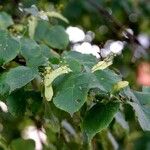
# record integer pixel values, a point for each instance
(62, 131)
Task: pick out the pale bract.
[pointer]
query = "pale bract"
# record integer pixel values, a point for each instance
(49, 77)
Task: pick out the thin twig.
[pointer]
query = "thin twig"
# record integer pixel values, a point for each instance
(108, 17)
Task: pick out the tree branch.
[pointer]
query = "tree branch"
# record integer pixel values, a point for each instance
(117, 25)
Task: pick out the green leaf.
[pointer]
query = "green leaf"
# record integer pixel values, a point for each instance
(73, 92)
(21, 144)
(5, 20)
(9, 48)
(35, 101)
(99, 117)
(107, 79)
(142, 142)
(146, 89)
(41, 30)
(19, 77)
(143, 114)
(141, 105)
(78, 61)
(4, 90)
(57, 37)
(54, 36)
(50, 54)
(143, 97)
(17, 103)
(32, 52)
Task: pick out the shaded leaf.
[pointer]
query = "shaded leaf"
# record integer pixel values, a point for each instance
(141, 105)
(143, 115)
(99, 117)
(21, 144)
(4, 90)
(35, 101)
(17, 103)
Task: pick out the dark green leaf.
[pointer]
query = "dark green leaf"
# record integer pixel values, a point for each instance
(141, 106)
(35, 101)
(17, 103)
(143, 114)
(4, 90)
(99, 117)
(73, 93)
(21, 144)
(143, 142)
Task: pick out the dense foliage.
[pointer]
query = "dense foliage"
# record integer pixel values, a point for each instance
(72, 100)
